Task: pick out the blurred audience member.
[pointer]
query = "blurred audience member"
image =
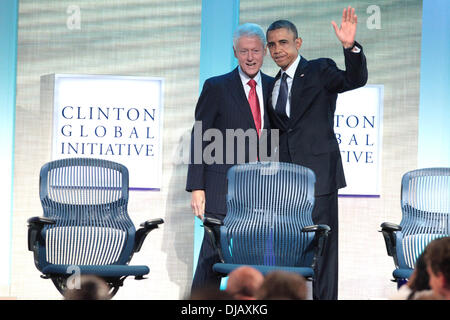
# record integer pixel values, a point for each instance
(244, 282)
(209, 293)
(437, 258)
(418, 282)
(426, 295)
(280, 285)
(91, 288)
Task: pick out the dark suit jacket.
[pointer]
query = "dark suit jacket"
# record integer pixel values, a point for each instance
(307, 136)
(223, 105)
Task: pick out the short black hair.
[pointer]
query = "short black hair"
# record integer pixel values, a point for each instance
(279, 24)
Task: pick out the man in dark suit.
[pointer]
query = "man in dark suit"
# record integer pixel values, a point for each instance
(233, 101)
(302, 108)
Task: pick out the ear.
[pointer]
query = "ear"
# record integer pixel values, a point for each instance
(298, 43)
(442, 281)
(234, 51)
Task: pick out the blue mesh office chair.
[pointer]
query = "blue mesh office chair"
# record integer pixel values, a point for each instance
(85, 227)
(268, 223)
(425, 204)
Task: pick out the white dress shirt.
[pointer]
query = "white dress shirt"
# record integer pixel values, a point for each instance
(290, 77)
(259, 91)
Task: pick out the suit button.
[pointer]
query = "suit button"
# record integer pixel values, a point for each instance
(290, 130)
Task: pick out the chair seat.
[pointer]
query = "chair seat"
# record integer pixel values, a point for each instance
(99, 270)
(402, 273)
(226, 268)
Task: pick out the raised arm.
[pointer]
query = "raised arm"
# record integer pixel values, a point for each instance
(347, 31)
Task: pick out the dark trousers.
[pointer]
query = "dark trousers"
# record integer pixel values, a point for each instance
(325, 284)
(204, 275)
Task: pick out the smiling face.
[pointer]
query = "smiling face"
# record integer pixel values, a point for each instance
(250, 53)
(283, 47)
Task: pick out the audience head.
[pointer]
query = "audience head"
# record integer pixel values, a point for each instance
(281, 285)
(244, 282)
(419, 280)
(210, 293)
(91, 288)
(437, 258)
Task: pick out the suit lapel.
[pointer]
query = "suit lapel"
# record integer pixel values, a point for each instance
(236, 90)
(267, 93)
(297, 107)
(279, 122)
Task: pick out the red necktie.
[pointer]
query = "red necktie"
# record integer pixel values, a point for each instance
(254, 105)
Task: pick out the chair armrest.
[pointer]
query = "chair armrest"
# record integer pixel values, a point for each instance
(142, 232)
(321, 234)
(35, 226)
(212, 222)
(389, 226)
(388, 230)
(212, 228)
(320, 239)
(40, 221)
(317, 228)
(152, 224)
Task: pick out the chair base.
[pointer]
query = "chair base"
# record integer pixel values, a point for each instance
(114, 284)
(113, 275)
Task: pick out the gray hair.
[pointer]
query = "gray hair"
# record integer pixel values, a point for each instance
(249, 30)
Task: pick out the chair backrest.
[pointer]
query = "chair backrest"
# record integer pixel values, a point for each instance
(425, 203)
(268, 204)
(88, 199)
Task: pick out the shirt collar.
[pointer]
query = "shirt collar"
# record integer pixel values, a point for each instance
(245, 78)
(292, 68)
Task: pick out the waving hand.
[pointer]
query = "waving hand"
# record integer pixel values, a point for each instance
(347, 31)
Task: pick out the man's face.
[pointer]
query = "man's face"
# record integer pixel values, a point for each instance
(283, 47)
(250, 53)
